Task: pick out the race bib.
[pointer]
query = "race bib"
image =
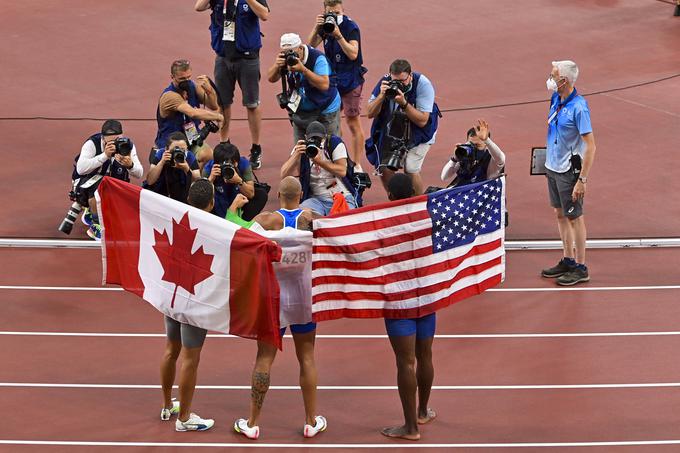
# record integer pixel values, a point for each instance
(190, 131)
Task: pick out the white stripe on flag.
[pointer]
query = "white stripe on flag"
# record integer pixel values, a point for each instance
(374, 235)
(370, 216)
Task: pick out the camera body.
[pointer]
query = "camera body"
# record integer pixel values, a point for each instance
(177, 155)
(395, 155)
(362, 180)
(291, 57)
(393, 88)
(123, 146)
(313, 146)
(208, 128)
(228, 170)
(330, 21)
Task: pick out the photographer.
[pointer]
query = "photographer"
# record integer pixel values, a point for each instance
(477, 160)
(342, 45)
(310, 93)
(173, 168)
(231, 175)
(236, 40)
(105, 154)
(405, 119)
(321, 163)
(179, 108)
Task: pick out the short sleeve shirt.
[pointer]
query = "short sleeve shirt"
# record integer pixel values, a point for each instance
(567, 123)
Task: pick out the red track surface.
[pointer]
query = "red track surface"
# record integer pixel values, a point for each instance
(112, 59)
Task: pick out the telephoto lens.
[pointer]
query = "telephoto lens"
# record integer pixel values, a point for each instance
(312, 147)
(291, 58)
(227, 170)
(177, 155)
(123, 146)
(66, 225)
(330, 20)
(463, 151)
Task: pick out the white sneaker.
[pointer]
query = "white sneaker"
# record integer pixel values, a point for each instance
(320, 424)
(166, 413)
(194, 423)
(241, 426)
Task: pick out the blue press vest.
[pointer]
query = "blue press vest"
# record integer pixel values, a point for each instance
(321, 99)
(225, 193)
(290, 216)
(349, 74)
(175, 122)
(419, 135)
(247, 36)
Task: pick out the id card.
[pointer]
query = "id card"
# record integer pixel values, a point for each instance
(229, 31)
(294, 101)
(190, 131)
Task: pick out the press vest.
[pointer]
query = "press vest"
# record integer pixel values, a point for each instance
(175, 122)
(110, 167)
(349, 74)
(247, 32)
(225, 193)
(321, 99)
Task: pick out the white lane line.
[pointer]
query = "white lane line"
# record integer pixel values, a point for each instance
(493, 290)
(392, 445)
(348, 387)
(358, 336)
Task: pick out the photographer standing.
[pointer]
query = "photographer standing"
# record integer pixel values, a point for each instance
(321, 163)
(569, 158)
(173, 168)
(310, 93)
(405, 119)
(179, 108)
(105, 154)
(477, 160)
(342, 45)
(231, 175)
(236, 39)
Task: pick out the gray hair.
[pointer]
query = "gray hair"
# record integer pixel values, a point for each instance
(567, 69)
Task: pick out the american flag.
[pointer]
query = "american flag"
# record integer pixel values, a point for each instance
(409, 258)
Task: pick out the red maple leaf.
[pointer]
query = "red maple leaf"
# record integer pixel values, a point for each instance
(180, 266)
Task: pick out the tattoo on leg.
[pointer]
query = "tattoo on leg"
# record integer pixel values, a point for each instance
(259, 388)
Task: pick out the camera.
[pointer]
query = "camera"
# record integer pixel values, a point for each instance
(395, 154)
(283, 99)
(330, 20)
(208, 128)
(393, 89)
(464, 152)
(123, 146)
(362, 180)
(313, 146)
(228, 170)
(177, 155)
(291, 57)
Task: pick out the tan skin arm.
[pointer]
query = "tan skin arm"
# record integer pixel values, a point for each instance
(580, 188)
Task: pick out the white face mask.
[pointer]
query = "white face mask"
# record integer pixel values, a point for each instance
(551, 84)
(340, 18)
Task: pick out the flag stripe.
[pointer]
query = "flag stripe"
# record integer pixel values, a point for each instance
(385, 244)
(396, 224)
(416, 271)
(370, 213)
(442, 280)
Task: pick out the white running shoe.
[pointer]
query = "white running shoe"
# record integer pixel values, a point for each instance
(320, 424)
(167, 413)
(241, 426)
(194, 423)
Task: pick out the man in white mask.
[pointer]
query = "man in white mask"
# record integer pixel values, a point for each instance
(569, 158)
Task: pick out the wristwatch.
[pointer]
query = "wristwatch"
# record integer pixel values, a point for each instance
(583, 179)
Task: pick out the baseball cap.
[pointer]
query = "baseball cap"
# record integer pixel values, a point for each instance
(315, 129)
(290, 40)
(112, 127)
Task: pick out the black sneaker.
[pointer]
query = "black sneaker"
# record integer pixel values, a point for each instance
(578, 274)
(562, 268)
(256, 157)
(677, 10)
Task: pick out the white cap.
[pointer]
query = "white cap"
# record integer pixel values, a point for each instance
(290, 40)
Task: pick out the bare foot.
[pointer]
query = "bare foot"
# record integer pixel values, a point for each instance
(399, 432)
(428, 417)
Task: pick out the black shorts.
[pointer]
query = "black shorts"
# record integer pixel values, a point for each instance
(560, 188)
(245, 71)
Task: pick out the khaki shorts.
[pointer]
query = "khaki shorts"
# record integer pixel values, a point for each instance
(415, 157)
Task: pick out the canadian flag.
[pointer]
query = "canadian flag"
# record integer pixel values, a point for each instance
(191, 265)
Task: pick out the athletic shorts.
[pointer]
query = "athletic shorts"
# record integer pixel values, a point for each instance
(244, 71)
(300, 328)
(351, 101)
(190, 336)
(415, 157)
(560, 188)
(420, 327)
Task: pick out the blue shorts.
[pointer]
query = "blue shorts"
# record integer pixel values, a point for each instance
(422, 327)
(300, 328)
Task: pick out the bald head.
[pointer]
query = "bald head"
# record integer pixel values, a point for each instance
(290, 189)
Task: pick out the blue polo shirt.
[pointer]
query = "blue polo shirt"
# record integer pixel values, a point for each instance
(567, 122)
(322, 68)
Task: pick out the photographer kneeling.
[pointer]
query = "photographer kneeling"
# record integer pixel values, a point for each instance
(105, 154)
(309, 91)
(477, 160)
(405, 119)
(232, 174)
(173, 168)
(321, 163)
